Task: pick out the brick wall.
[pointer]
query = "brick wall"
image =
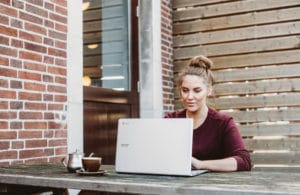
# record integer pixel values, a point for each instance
(167, 55)
(33, 42)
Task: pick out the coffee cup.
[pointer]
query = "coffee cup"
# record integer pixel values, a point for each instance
(91, 164)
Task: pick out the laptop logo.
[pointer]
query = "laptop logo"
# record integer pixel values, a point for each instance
(124, 145)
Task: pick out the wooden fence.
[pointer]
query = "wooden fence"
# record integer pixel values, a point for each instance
(255, 46)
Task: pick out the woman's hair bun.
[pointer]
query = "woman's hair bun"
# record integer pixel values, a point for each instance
(201, 62)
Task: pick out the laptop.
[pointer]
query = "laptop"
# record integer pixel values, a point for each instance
(155, 146)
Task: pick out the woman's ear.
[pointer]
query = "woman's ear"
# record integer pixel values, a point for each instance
(209, 91)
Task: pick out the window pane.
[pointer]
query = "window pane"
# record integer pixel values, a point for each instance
(106, 44)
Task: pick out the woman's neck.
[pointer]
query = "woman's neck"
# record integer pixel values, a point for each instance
(198, 116)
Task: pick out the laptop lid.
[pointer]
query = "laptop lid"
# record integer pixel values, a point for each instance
(155, 146)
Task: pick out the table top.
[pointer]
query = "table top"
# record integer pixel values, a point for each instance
(57, 176)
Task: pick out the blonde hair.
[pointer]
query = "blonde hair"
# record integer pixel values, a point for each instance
(199, 66)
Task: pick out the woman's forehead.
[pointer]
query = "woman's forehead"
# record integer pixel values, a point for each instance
(193, 80)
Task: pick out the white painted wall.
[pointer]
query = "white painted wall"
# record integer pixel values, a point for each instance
(74, 77)
(151, 94)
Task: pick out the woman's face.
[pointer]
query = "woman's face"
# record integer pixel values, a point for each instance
(194, 92)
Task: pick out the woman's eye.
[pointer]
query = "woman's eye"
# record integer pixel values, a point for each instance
(197, 90)
(185, 90)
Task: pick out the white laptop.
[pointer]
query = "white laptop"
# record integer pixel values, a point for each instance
(155, 146)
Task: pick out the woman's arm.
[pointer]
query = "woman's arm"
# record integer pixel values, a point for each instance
(226, 164)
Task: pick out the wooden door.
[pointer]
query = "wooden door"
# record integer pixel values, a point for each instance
(103, 105)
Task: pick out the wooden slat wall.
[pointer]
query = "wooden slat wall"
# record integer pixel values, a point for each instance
(255, 46)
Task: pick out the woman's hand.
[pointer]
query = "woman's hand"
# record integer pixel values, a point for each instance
(226, 164)
(196, 164)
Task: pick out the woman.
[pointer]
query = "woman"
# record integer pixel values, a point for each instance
(217, 144)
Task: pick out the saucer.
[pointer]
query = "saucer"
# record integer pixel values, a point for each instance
(82, 172)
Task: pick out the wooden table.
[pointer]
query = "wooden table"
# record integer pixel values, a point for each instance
(233, 183)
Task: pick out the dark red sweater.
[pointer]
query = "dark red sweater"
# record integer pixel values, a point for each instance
(217, 138)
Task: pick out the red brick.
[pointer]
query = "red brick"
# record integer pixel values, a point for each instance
(57, 52)
(8, 72)
(57, 70)
(30, 18)
(4, 40)
(8, 51)
(48, 115)
(49, 151)
(48, 78)
(16, 84)
(3, 125)
(60, 80)
(58, 35)
(30, 37)
(49, 23)
(61, 44)
(35, 125)
(58, 18)
(16, 125)
(55, 159)
(16, 23)
(4, 20)
(61, 10)
(30, 56)
(62, 28)
(3, 105)
(17, 162)
(4, 145)
(61, 151)
(55, 125)
(36, 160)
(48, 134)
(4, 155)
(34, 47)
(49, 6)
(30, 76)
(61, 62)
(16, 105)
(36, 2)
(60, 98)
(35, 143)
(16, 63)
(61, 134)
(31, 115)
(35, 66)
(31, 153)
(17, 43)
(30, 96)
(55, 106)
(8, 115)
(30, 134)
(48, 60)
(57, 142)
(35, 106)
(8, 135)
(4, 61)
(7, 94)
(36, 10)
(18, 4)
(3, 83)
(4, 164)
(58, 89)
(17, 144)
(60, 2)
(8, 11)
(48, 41)
(35, 28)
(8, 31)
(48, 97)
(34, 86)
